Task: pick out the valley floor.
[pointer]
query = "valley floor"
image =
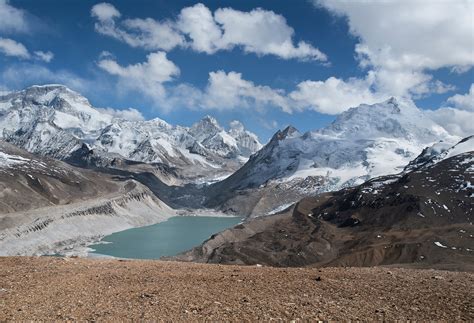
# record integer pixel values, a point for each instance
(53, 288)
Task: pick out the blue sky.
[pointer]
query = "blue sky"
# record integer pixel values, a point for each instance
(266, 80)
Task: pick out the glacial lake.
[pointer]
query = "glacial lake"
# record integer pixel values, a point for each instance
(168, 238)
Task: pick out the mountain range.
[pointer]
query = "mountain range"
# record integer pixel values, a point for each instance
(111, 173)
(54, 121)
(421, 217)
(362, 143)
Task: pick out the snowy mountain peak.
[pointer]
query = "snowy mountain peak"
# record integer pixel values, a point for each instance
(362, 143)
(288, 132)
(209, 122)
(205, 127)
(49, 94)
(395, 104)
(236, 126)
(56, 121)
(210, 119)
(440, 151)
(393, 118)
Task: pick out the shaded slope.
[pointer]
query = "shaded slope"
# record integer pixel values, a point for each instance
(47, 205)
(419, 218)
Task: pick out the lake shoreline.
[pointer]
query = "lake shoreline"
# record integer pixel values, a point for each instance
(82, 248)
(167, 238)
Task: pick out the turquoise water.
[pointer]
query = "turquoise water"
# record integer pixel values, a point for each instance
(167, 238)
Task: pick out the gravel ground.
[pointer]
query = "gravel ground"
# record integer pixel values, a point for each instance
(49, 288)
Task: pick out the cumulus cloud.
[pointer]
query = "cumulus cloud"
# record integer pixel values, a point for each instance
(259, 31)
(198, 23)
(12, 48)
(262, 32)
(12, 19)
(403, 40)
(457, 122)
(457, 115)
(130, 114)
(413, 34)
(44, 56)
(9, 47)
(226, 91)
(147, 77)
(463, 101)
(334, 95)
(104, 12)
(229, 90)
(146, 33)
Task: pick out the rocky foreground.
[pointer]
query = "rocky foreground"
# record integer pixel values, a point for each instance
(50, 288)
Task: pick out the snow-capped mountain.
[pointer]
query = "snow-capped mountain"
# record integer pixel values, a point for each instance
(364, 142)
(55, 121)
(157, 141)
(440, 151)
(420, 217)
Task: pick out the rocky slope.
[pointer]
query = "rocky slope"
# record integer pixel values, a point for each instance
(422, 217)
(52, 120)
(362, 143)
(47, 205)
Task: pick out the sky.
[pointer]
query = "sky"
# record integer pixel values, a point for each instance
(267, 63)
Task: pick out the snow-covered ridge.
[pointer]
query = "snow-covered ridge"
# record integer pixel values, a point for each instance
(364, 142)
(7, 160)
(55, 121)
(464, 146)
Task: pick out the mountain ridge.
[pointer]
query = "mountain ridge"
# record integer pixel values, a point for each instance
(420, 218)
(362, 143)
(53, 120)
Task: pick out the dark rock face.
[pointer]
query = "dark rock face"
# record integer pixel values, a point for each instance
(422, 218)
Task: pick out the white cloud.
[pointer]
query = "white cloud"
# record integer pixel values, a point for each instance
(411, 34)
(9, 47)
(259, 31)
(262, 32)
(463, 102)
(269, 124)
(334, 95)
(198, 23)
(104, 12)
(146, 33)
(20, 75)
(457, 122)
(402, 41)
(457, 117)
(147, 77)
(44, 56)
(12, 19)
(151, 34)
(130, 114)
(12, 48)
(229, 90)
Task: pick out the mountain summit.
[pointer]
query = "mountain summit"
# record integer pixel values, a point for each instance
(55, 121)
(364, 142)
